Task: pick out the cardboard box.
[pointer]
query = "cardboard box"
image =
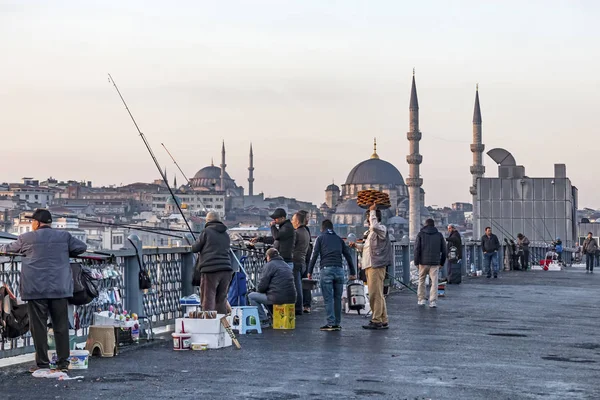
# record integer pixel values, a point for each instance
(195, 325)
(213, 340)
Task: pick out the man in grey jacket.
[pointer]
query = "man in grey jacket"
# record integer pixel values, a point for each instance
(214, 264)
(301, 244)
(276, 285)
(590, 248)
(47, 284)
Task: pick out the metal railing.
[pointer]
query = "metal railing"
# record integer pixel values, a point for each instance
(171, 271)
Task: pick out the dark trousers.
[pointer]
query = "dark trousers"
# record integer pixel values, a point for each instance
(38, 319)
(524, 259)
(298, 284)
(213, 289)
(306, 294)
(589, 262)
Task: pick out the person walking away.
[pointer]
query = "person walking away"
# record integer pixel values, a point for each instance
(330, 248)
(214, 264)
(523, 246)
(490, 246)
(306, 294)
(377, 256)
(47, 284)
(276, 286)
(590, 248)
(301, 243)
(454, 251)
(430, 255)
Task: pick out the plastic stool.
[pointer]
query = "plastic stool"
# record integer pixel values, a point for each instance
(101, 341)
(243, 321)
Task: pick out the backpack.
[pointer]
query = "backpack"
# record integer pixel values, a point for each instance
(14, 319)
(453, 254)
(85, 285)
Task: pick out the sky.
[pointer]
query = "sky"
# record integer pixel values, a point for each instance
(309, 83)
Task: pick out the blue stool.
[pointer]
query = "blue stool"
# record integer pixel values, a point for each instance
(243, 323)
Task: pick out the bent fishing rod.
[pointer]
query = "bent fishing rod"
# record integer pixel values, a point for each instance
(162, 174)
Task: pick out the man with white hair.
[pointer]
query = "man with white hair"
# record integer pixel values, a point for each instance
(214, 264)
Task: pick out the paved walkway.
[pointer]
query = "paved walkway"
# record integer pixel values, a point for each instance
(532, 335)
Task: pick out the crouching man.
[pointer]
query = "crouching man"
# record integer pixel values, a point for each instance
(276, 285)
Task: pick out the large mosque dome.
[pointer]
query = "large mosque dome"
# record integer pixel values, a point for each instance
(374, 171)
(210, 176)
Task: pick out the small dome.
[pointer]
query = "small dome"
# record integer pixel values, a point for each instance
(375, 171)
(332, 188)
(349, 207)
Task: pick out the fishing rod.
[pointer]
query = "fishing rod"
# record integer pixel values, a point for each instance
(150, 229)
(186, 178)
(162, 174)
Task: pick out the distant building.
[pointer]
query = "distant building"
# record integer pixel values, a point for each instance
(468, 207)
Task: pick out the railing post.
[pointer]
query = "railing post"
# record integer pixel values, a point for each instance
(133, 294)
(406, 256)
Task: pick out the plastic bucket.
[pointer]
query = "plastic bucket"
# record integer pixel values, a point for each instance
(181, 341)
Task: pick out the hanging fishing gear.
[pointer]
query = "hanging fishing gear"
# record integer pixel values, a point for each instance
(162, 174)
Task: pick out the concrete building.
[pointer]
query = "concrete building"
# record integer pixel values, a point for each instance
(543, 209)
(414, 160)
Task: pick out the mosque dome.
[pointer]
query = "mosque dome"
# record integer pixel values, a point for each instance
(209, 176)
(374, 171)
(349, 207)
(332, 188)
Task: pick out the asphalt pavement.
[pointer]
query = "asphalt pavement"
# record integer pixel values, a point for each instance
(525, 335)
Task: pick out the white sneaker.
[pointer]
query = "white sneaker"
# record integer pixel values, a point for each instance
(421, 302)
(433, 304)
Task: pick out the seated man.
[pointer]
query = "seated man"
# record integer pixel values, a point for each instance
(276, 285)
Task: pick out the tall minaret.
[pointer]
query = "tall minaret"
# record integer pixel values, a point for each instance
(251, 173)
(477, 169)
(223, 165)
(414, 159)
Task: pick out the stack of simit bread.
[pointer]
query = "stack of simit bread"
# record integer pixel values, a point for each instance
(366, 198)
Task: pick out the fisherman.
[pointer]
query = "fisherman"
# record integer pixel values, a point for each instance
(214, 264)
(454, 244)
(330, 248)
(301, 245)
(282, 236)
(523, 251)
(276, 286)
(306, 294)
(47, 284)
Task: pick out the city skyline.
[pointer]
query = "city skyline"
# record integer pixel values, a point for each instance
(322, 78)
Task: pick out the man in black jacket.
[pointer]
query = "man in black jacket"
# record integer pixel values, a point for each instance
(214, 264)
(430, 254)
(330, 248)
(301, 243)
(454, 255)
(490, 246)
(276, 285)
(282, 236)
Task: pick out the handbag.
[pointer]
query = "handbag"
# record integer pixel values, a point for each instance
(144, 280)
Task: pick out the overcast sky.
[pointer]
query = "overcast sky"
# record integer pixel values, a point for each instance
(309, 83)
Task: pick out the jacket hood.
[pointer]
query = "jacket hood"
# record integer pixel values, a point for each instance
(429, 230)
(218, 225)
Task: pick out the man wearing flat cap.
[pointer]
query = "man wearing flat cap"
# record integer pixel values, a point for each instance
(47, 283)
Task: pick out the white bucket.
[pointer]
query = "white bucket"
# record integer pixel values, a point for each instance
(78, 359)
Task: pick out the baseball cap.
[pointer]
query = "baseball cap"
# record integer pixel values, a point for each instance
(278, 213)
(41, 215)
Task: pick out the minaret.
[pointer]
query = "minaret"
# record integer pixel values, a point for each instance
(477, 169)
(175, 181)
(223, 165)
(251, 173)
(166, 179)
(414, 159)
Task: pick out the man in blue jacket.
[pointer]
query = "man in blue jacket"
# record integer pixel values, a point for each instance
(330, 248)
(47, 284)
